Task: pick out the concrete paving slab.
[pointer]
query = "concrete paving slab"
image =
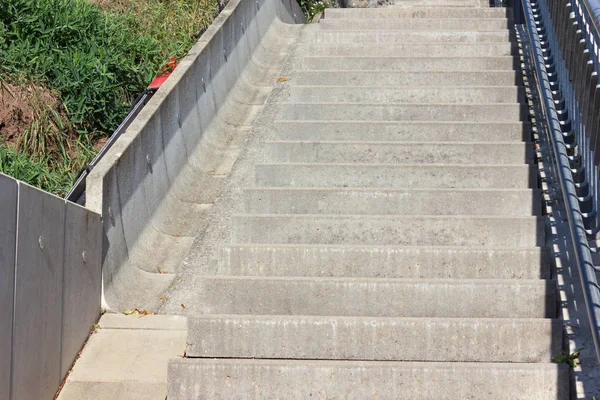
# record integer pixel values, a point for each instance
(126, 358)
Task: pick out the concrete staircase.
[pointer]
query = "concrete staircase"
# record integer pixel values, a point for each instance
(392, 247)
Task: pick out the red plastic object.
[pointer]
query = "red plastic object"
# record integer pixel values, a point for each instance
(166, 72)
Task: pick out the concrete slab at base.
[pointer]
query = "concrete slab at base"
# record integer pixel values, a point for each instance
(126, 358)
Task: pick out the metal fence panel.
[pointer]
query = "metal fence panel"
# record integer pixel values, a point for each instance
(38, 295)
(82, 280)
(8, 245)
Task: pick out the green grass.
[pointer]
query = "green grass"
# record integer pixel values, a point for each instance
(35, 171)
(98, 58)
(313, 7)
(97, 55)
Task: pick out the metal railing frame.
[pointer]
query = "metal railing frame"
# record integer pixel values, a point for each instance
(565, 66)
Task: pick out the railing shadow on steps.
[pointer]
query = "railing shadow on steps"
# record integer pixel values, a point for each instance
(562, 38)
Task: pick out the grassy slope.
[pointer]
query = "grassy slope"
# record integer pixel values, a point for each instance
(97, 57)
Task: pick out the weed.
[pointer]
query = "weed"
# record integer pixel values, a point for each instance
(313, 7)
(568, 358)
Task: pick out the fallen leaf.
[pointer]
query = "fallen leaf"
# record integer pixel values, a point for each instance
(182, 307)
(129, 312)
(163, 298)
(284, 79)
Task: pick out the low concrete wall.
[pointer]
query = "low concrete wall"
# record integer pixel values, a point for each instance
(50, 283)
(154, 185)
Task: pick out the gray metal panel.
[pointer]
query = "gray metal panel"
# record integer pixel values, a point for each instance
(8, 245)
(38, 295)
(82, 282)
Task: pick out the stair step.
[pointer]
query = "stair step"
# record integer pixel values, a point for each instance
(447, 298)
(375, 339)
(415, 49)
(404, 112)
(407, 95)
(439, 3)
(376, 37)
(519, 202)
(388, 230)
(398, 152)
(408, 79)
(396, 176)
(407, 130)
(415, 13)
(410, 64)
(384, 261)
(300, 379)
(416, 24)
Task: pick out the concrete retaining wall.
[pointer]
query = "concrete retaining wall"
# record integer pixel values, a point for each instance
(50, 284)
(156, 182)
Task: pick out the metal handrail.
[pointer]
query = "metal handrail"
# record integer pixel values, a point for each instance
(77, 192)
(558, 98)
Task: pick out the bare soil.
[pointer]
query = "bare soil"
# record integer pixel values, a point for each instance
(18, 107)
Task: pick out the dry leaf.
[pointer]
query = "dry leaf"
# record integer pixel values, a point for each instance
(163, 298)
(284, 79)
(182, 307)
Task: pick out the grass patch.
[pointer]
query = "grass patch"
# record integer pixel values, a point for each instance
(35, 170)
(97, 58)
(313, 7)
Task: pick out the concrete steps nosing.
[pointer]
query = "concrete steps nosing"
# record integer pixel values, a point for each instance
(415, 24)
(259, 379)
(446, 298)
(376, 37)
(375, 339)
(415, 13)
(388, 230)
(498, 112)
(389, 131)
(405, 176)
(486, 202)
(410, 64)
(407, 95)
(398, 152)
(382, 262)
(408, 79)
(436, 49)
